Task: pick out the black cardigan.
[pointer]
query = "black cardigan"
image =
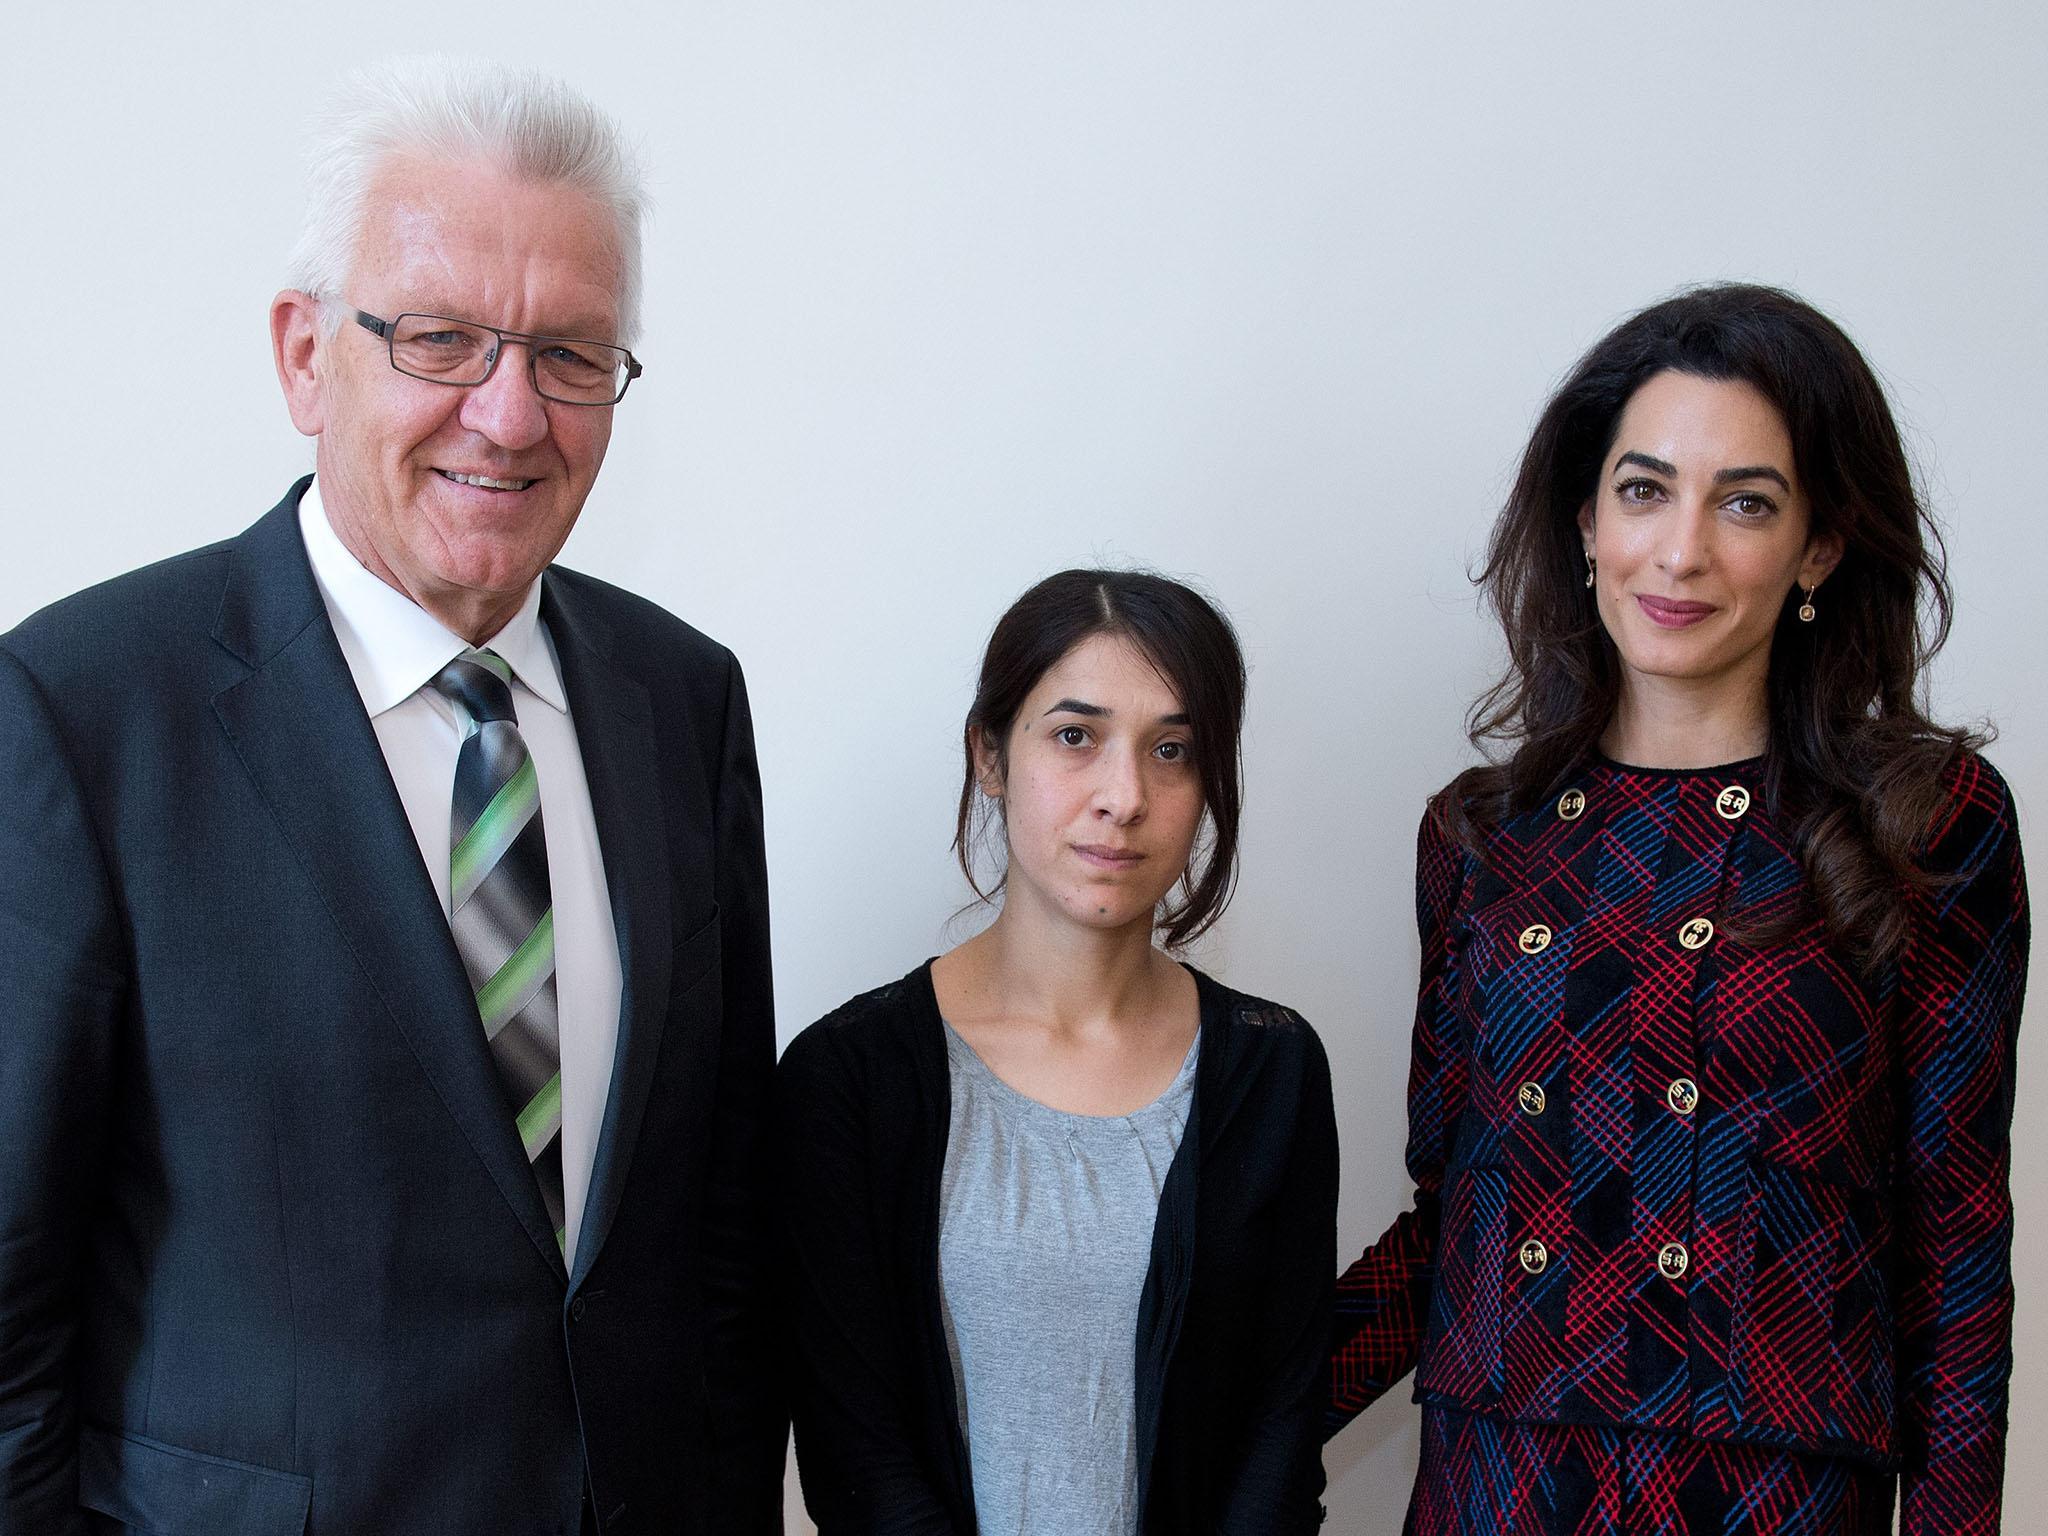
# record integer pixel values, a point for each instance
(1233, 1325)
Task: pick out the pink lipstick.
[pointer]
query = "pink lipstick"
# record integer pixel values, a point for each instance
(1670, 613)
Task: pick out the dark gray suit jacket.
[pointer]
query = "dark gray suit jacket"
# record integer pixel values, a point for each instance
(271, 1258)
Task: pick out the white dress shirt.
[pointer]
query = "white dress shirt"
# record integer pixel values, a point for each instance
(394, 648)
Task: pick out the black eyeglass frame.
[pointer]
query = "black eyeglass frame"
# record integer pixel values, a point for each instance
(387, 332)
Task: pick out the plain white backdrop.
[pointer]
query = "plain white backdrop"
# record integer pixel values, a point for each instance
(945, 296)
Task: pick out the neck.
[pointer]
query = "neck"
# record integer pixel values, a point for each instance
(1064, 973)
(1663, 722)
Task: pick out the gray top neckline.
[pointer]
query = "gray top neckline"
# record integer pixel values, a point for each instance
(964, 1058)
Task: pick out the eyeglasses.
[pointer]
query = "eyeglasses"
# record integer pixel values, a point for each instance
(462, 353)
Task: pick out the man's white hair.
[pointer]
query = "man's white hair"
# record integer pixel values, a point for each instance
(517, 121)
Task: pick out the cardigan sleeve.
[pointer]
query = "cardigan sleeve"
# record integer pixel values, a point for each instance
(1382, 1305)
(1281, 1474)
(1960, 987)
(855, 1424)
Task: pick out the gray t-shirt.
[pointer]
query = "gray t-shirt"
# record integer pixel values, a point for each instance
(1045, 1235)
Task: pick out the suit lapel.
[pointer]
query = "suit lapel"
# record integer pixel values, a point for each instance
(615, 733)
(299, 727)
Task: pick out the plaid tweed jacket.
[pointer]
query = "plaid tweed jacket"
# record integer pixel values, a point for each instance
(1669, 1182)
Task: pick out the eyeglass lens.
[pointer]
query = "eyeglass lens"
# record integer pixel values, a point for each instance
(456, 352)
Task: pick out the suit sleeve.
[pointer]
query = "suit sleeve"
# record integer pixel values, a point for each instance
(1278, 1484)
(61, 990)
(746, 1388)
(1961, 985)
(854, 1420)
(1382, 1304)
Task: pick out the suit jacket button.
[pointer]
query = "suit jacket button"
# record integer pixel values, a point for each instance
(1530, 1097)
(1673, 1261)
(1731, 803)
(1571, 805)
(1534, 1256)
(1696, 933)
(1534, 939)
(1683, 1095)
(576, 1309)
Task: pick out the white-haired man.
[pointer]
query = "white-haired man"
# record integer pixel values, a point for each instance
(383, 930)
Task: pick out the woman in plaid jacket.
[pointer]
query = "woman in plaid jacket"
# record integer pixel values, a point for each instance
(1722, 961)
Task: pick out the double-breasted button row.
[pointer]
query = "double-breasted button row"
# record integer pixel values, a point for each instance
(1682, 1094)
(1693, 933)
(1731, 804)
(1673, 1260)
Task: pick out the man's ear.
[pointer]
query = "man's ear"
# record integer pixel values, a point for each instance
(295, 346)
(1823, 554)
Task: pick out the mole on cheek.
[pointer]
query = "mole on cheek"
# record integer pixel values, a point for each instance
(1102, 911)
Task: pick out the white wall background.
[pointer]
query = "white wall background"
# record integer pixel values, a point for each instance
(944, 296)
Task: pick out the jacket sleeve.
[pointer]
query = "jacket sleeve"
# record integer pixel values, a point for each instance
(1281, 1477)
(61, 992)
(1961, 983)
(744, 1382)
(855, 1416)
(1382, 1306)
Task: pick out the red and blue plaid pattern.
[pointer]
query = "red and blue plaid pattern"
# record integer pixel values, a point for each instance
(1671, 1183)
(1481, 1476)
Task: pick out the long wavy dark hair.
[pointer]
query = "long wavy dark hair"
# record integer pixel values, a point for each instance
(1854, 768)
(1195, 650)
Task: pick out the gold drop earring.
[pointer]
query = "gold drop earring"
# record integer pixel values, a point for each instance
(1806, 609)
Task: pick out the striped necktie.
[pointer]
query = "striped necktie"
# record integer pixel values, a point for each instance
(500, 909)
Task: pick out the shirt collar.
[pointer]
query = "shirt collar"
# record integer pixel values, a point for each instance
(393, 646)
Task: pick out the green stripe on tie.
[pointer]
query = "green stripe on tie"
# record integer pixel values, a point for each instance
(529, 960)
(491, 661)
(502, 821)
(539, 1121)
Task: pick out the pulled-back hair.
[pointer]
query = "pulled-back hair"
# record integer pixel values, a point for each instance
(1854, 765)
(1194, 649)
(519, 121)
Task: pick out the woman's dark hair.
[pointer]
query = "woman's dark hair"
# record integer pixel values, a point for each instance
(1195, 650)
(1854, 766)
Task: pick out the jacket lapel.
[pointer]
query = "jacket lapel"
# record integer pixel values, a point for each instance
(615, 733)
(299, 727)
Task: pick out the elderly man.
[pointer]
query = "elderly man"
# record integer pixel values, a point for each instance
(384, 997)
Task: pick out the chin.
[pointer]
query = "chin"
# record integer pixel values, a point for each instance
(1105, 912)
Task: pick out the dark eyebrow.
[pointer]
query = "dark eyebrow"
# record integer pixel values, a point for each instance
(1097, 712)
(1658, 465)
(1754, 472)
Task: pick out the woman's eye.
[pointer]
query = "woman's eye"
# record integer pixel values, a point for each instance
(1638, 491)
(1752, 506)
(1172, 751)
(1071, 736)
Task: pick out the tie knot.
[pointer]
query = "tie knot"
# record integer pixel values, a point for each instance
(479, 683)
